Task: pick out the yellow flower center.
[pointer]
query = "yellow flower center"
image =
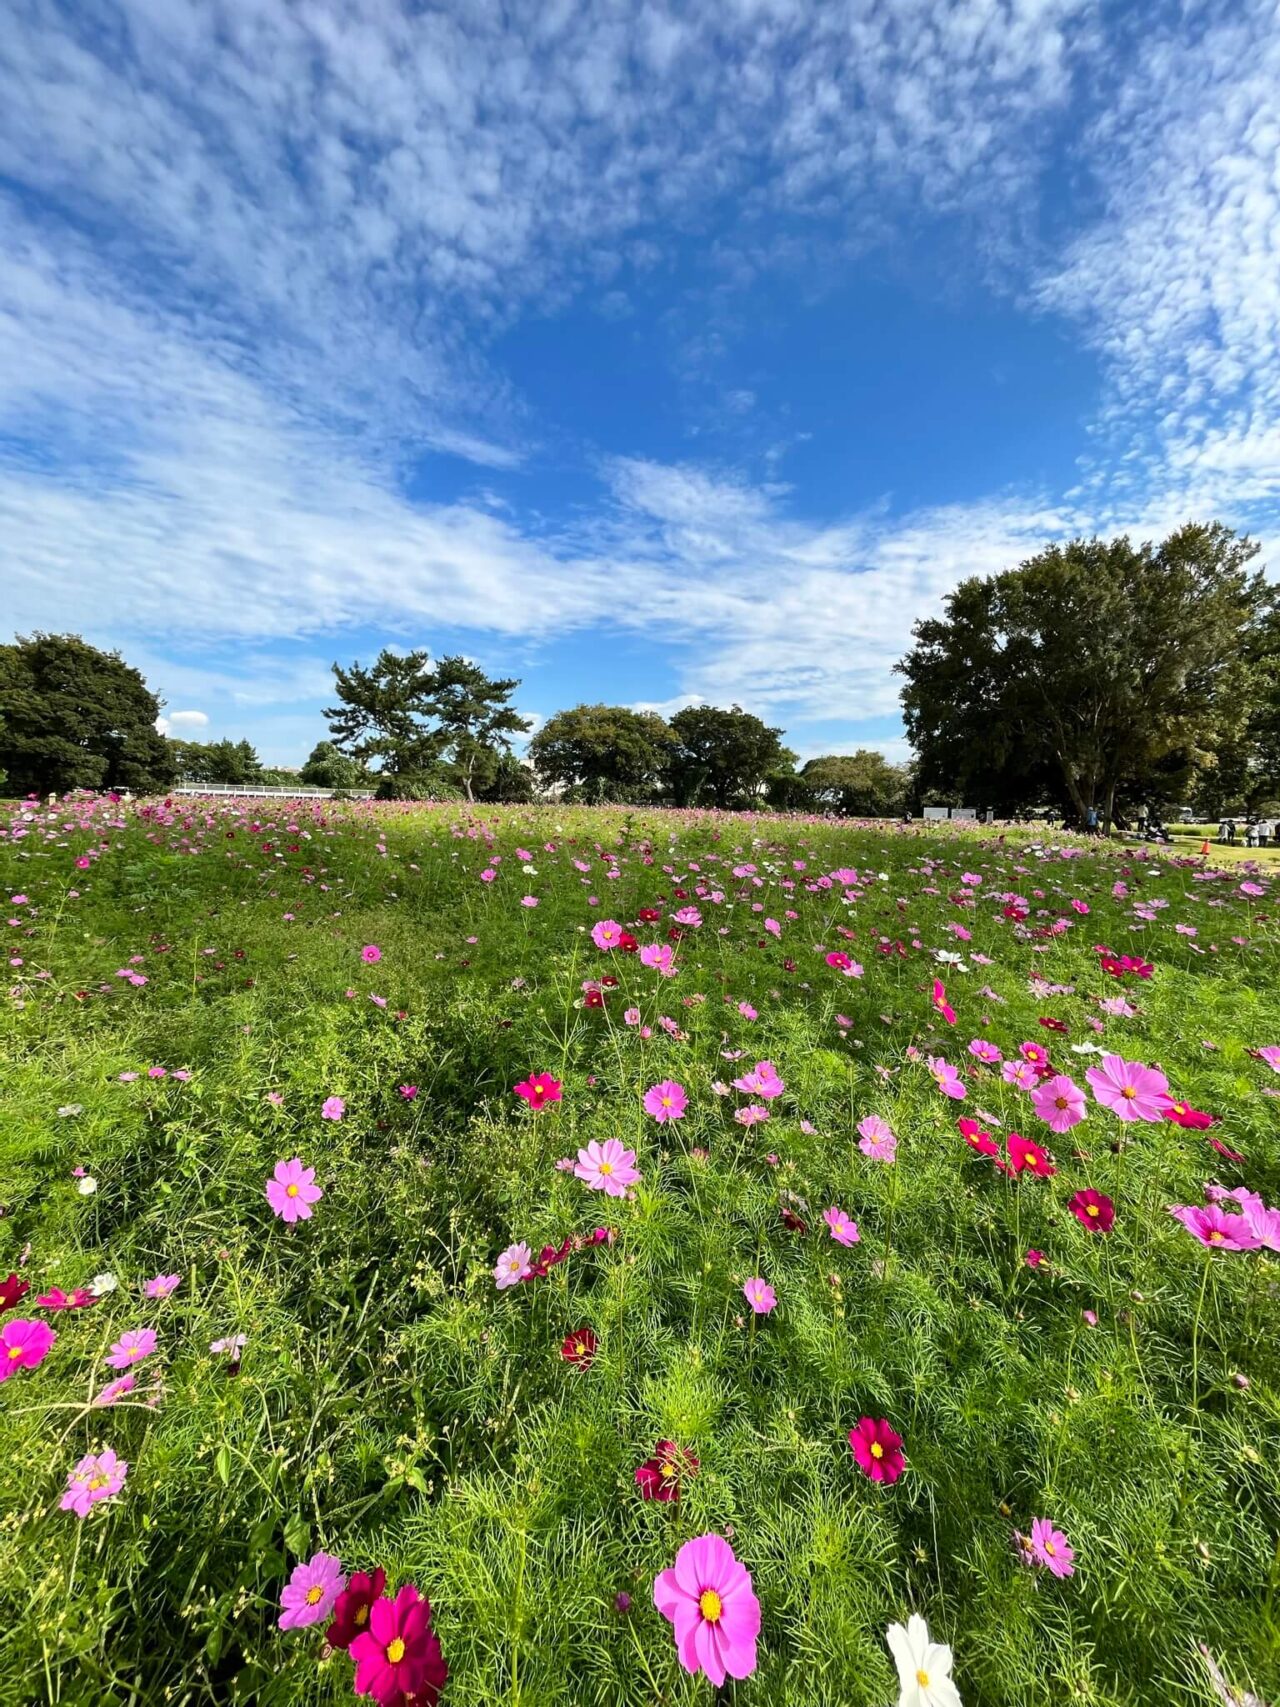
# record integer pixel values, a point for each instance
(315, 1594)
(668, 1470)
(877, 1451)
(1216, 1238)
(709, 1605)
(606, 1167)
(395, 1651)
(666, 1102)
(1050, 1549)
(96, 1482)
(1060, 1102)
(922, 1678)
(579, 1350)
(362, 1616)
(291, 1191)
(15, 1352)
(1091, 1209)
(1128, 1092)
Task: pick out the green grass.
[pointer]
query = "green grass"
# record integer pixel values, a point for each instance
(392, 1407)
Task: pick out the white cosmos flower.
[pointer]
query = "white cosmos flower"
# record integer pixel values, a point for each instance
(1084, 1049)
(924, 1667)
(103, 1283)
(86, 1185)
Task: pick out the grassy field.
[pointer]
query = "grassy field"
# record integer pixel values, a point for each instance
(415, 1003)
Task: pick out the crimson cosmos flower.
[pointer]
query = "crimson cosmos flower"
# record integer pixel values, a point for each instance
(1093, 1210)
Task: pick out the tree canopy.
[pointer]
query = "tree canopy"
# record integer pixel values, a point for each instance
(723, 756)
(1095, 667)
(604, 752)
(217, 761)
(426, 727)
(328, 768)
(74, 717)
(862, 784)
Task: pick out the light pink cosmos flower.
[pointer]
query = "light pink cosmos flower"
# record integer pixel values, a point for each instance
(946, 1078)
(161, 1285)
(1264, 1223)
(292, 1190)
(843, 1228)
(607, 1167)
(334, 1109)
(309, 1594)
(96, 1477)
(761, 1081)
(709, 1600)
(1059, 1102)
(513, 1265)
(1270, 1053)
(665, 1101)
(1049, 1547)
(1129, 1089)
(1215, 1229)
(1019, 1073)
(985, 1051)
(751, 1114)
(606, 934)
(24, 1343)
(660, 956)
(878, 1139)
(115, 1390)
(760, 1295)
(690, 917)
(132, 1347)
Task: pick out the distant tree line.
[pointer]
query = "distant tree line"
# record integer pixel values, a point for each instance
(1096, 677)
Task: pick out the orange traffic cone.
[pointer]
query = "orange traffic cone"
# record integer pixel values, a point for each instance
(1204, 846)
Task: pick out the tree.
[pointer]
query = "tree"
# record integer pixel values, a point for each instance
(862, 784)
(723, 754)
(426, 727)
(217, 761)
(1094, 668)
(604, 752)
(74, 717)
(328, 768)
(507, 781)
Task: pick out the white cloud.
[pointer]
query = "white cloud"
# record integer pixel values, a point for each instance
(182, 722)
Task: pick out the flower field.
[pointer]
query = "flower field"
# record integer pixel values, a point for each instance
(569, 1256)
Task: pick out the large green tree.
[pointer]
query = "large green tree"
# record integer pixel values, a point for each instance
(74, 717)
(329, 768)
(1095, 669)
(604, 752)
(862, 784)
(217, 761)
(723, 757)
(426, 727)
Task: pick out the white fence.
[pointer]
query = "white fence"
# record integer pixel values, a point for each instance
(263, 791)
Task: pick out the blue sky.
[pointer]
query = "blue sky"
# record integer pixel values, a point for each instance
(649, 353)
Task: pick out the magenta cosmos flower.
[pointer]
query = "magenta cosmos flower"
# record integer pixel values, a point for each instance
(666, 1101)
(946, 1078)
(761, 1081)
(292, 1190)
(161, 1285)
(311, 1591)
(514, 1265)
(878, 1139)
(607, 1167)
(1130, 1090)
(708, 1598)
(1049, 1547)
(96, 1477)
(843, 1228)
(1059, 1102)
(371, 954)
(24, 1344)
(760, 1295)
(1217, 1230)
(399, 1654)
(877, 1449)
(132, 1347)
(538, 1090)
(1094, 1210)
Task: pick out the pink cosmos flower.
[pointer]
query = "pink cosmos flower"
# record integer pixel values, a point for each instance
(334, 1109)
(606, 934)
(1026, 1156)
(985, 1051)
(23, 1345)
(162, 1285)
(878, 1139)
(1019, 1073)
(371, 954)
(939, 999)
(132, 1347)
(1094, 1210)
(690, 917)
(877, 1449)
(607, 1167)
(660, 956)
(1130, 1090)
(309, 1594)
(760, 1295)
(1059, 1102)
(946, 1078)
(538, 1090)
(747, 1011)
(115, 1390)
(528, 900)
(1216, 1229)
(398, 1656)
(709, 1600)
(666, 1101)
(1049, 1547)
(761, 1081)
(751, 1114)
(1034, 1258)
(843, 1228)
(1270, 1053)
(292, 1190)
(515, 1263)
(96, 1477)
